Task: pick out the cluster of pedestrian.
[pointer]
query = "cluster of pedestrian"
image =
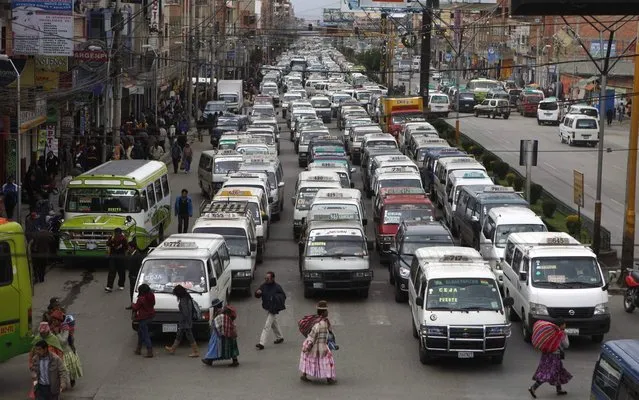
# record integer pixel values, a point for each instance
(53, 360)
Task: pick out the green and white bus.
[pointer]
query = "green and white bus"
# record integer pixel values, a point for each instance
(132, 195)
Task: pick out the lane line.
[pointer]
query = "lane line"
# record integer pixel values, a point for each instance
(550, 166)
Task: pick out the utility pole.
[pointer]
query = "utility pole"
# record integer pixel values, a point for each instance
(116, 107)
(385, 47)
(458, 66)
(427, 27)
(628, 240)
(189, 74)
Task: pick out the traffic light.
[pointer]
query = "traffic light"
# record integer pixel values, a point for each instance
(310, 27)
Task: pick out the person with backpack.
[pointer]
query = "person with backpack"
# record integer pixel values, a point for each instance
(316, 358)
(188, 311)
(273, 301)
(176, 156)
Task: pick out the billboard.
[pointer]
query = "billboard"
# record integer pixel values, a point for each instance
(398, 5)
(42, 27)
(349, 5)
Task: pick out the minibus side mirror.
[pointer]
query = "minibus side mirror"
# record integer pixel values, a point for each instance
(212, 282)
(509, 301)
(419, 301)
(523, 275)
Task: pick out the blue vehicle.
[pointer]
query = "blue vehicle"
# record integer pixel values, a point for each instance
(616, 375)
(427, 167)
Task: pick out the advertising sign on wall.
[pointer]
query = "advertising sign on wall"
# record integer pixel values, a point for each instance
(42, 27)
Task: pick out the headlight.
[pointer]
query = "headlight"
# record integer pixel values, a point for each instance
(404, 272)
(242, 274)
(498, 331)
(433, 330)
(65, 236)
(312, 275)
(601, 309)
(538, 309)
(363, 274)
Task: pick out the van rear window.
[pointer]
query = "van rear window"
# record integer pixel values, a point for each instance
(6, 266)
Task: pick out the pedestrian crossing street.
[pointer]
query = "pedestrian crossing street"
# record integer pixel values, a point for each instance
(378, 310)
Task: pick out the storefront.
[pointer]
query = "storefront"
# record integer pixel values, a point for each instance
(31, 122)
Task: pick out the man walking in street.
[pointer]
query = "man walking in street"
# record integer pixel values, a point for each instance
(10, 191)
(48, 372)
(273, 301)
(183, 211)
(134, 262)
(118, 246)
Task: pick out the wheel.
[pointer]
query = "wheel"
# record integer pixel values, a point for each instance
(424, 355)
(260, 257)
(525, 331)
(506, 116)
(363, 293)
(497, 360)
(538, 121)
(476, 114)
(415, 333)
(446, 115)
(570, 142)
(493, 116)
(628, 303)
(400, 297)
(391, 277)
(597, 338)
(308, 293)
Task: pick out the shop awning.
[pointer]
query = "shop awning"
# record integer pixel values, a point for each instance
(25, 126)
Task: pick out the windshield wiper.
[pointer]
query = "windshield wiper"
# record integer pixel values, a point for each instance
(440, 308)
(477, 308)
(586, 284)
(546, 283)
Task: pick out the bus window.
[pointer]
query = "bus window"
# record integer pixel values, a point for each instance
(158, 190)
(150, 195)
(6, 266)
(606, 378)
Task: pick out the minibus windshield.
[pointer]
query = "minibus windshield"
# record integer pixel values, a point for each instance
(565, 272)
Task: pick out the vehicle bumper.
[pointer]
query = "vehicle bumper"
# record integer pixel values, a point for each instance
(337, 285)
(466, 107)
(240, 283)
(595, 325)
(164, 323)
(443, 346)
(297, 227)
(302, 159)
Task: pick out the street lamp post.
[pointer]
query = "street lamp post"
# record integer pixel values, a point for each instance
(155, 79)
(4, 57)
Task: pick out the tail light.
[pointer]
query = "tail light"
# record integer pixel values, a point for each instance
(206, 315)
(630, 281)
(30, 319)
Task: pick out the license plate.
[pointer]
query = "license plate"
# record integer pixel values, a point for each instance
(167, 328)
(572, 331)
(92, 246)
(465, 354)
(548, 114)
(585, 136)
(318, 285)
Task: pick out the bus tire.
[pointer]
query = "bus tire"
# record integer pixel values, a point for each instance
(161, 234)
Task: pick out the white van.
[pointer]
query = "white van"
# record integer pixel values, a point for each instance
(346, 200)
(200, 263)
(579, 129)
(498, 225)
(551, 275)
(242, 180)
(548, 111)
(446, 166)
(456, 180)
(456, 308)
(239, 234)
(438, 104)
(214, 168)
(305, 191)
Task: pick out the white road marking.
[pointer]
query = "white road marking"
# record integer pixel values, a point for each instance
(616, 202)
(550, 166)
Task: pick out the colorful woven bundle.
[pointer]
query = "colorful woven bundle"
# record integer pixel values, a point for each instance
(546, 336)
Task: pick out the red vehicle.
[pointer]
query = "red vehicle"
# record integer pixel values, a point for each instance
(395, 208)
(529, 101)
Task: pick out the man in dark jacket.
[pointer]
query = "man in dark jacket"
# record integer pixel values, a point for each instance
(273, 301)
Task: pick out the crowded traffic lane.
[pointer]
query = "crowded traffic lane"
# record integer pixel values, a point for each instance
(377, 358)
(556, 162)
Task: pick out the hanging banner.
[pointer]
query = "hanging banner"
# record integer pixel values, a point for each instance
(42, 141)
(154, 17)
(52, 141)
(42, 27)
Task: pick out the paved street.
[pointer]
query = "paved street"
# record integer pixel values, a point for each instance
(378, 357)
(557, 161)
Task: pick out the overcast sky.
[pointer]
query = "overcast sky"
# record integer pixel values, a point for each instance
(313, 9)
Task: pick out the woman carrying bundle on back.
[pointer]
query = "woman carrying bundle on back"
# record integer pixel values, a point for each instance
(551, 339)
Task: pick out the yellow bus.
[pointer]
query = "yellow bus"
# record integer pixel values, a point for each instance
(16, 292)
